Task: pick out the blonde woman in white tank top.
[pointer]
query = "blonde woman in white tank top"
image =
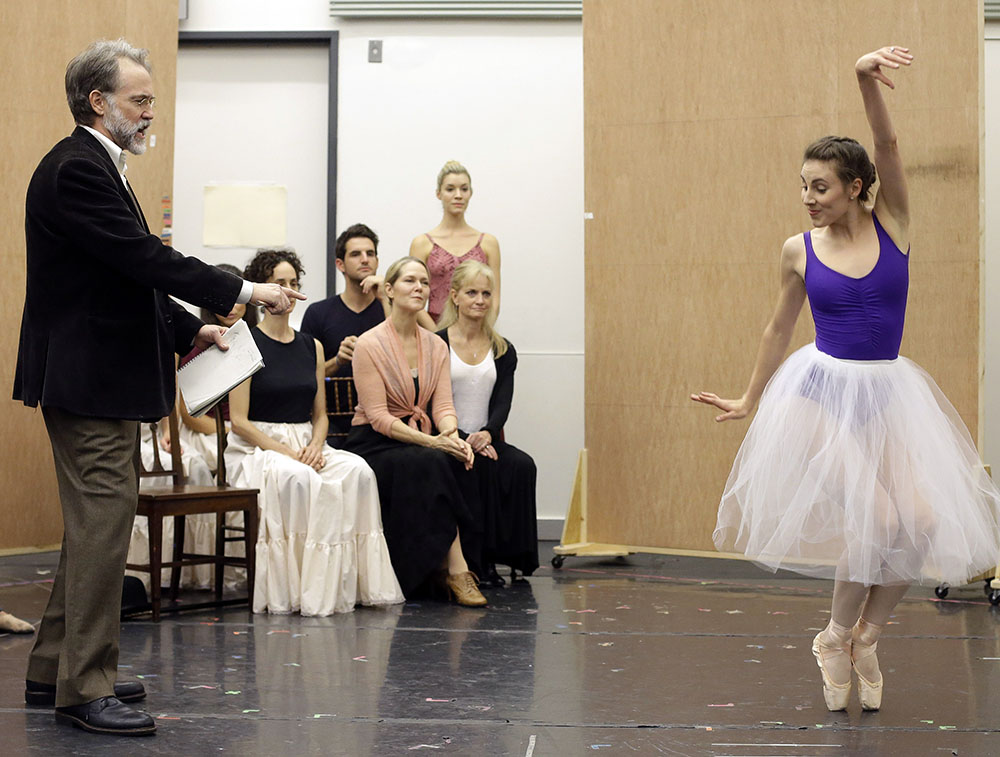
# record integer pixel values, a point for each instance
(482, 379)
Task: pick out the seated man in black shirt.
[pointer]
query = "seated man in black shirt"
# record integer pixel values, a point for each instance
(338, 321)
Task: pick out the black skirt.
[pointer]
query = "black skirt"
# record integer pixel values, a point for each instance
(507, 494)
(427, 497)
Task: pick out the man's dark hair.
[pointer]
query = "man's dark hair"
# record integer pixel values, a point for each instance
(352, 232)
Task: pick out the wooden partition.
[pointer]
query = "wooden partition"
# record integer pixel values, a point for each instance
(697, 112)
(38, 39)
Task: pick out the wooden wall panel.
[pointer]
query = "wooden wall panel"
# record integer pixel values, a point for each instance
(37, 40)
(697, 112)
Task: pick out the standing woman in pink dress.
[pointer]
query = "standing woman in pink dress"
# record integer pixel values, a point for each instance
(453, 240)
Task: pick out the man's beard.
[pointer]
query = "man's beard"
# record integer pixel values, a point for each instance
(123, 132)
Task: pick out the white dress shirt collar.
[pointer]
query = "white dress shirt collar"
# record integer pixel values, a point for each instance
(117, 154)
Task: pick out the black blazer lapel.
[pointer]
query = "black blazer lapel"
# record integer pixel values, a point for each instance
(135, 206)
(124, 189)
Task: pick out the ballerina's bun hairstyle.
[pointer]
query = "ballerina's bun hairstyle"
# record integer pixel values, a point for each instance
(850, 158)
(452, 166)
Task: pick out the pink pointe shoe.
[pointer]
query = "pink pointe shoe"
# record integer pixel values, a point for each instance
(832, 649)
(864, 640)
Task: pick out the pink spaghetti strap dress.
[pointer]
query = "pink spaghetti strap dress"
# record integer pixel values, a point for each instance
(441, 265)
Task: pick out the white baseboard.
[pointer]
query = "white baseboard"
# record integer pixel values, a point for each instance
(550, 529)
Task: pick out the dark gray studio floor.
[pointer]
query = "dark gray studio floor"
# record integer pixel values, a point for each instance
(649, 656)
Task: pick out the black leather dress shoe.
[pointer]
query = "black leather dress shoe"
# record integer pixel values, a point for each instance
(45, 693)
(109, 716)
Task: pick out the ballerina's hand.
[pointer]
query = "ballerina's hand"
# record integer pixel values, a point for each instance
(734, 409)
(893, 57)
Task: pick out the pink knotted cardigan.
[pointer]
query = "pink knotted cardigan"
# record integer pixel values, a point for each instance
(385, 386)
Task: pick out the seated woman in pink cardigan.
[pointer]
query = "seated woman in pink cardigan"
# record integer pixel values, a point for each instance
(406, 429)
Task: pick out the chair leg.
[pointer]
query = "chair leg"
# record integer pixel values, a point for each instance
(220, 553)
(250, 548)
(155, 562)
(175, 571)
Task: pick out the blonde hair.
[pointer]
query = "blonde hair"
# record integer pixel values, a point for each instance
(397, 268)
(452, 166)
(463, 275)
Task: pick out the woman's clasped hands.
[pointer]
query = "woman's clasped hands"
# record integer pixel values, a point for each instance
(454, 446)
(311, 455)
(482, 444)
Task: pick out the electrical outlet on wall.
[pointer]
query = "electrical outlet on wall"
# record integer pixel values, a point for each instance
(374, 51)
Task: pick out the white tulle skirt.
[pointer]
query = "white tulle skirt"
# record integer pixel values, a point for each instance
(320, 547)
(860, 471)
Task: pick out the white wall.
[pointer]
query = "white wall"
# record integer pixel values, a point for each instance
(506, 99)
(215, 142)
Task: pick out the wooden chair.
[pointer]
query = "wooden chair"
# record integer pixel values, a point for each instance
(341, 399)
(180, 500)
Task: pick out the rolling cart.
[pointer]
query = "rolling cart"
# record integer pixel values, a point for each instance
(991, 586)
(574, 542)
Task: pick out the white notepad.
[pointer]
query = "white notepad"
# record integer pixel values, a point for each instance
(210, 375)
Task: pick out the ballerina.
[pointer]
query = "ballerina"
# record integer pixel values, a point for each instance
(856, 467)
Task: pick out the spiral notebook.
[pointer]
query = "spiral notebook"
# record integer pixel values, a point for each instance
(209, 376)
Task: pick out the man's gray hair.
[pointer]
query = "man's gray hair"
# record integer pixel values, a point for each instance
(97, 68)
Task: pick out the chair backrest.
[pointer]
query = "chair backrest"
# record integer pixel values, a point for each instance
(175, 469)
(220, 442)
(341, 399)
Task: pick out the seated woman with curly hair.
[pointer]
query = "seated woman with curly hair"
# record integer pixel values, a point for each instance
(320, 548)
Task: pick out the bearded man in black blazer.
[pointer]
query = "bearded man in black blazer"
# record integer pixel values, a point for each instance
(98, 337)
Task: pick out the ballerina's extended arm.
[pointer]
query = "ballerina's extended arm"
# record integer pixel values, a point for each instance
(774, 342)
(892, 202)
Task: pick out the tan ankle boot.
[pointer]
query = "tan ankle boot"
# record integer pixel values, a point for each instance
(463, 588)
(832, 649)
(864, 640)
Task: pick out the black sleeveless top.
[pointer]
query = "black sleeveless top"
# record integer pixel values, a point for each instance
(283, 391)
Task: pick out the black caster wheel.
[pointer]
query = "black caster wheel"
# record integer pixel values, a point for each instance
(941, 591)
(986, 587)
(557, 561)
(995, 597)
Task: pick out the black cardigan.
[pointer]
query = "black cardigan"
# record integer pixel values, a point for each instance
(503, 389)
(98, 333)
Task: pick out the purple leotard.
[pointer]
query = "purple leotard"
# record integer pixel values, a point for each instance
(859, 318)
